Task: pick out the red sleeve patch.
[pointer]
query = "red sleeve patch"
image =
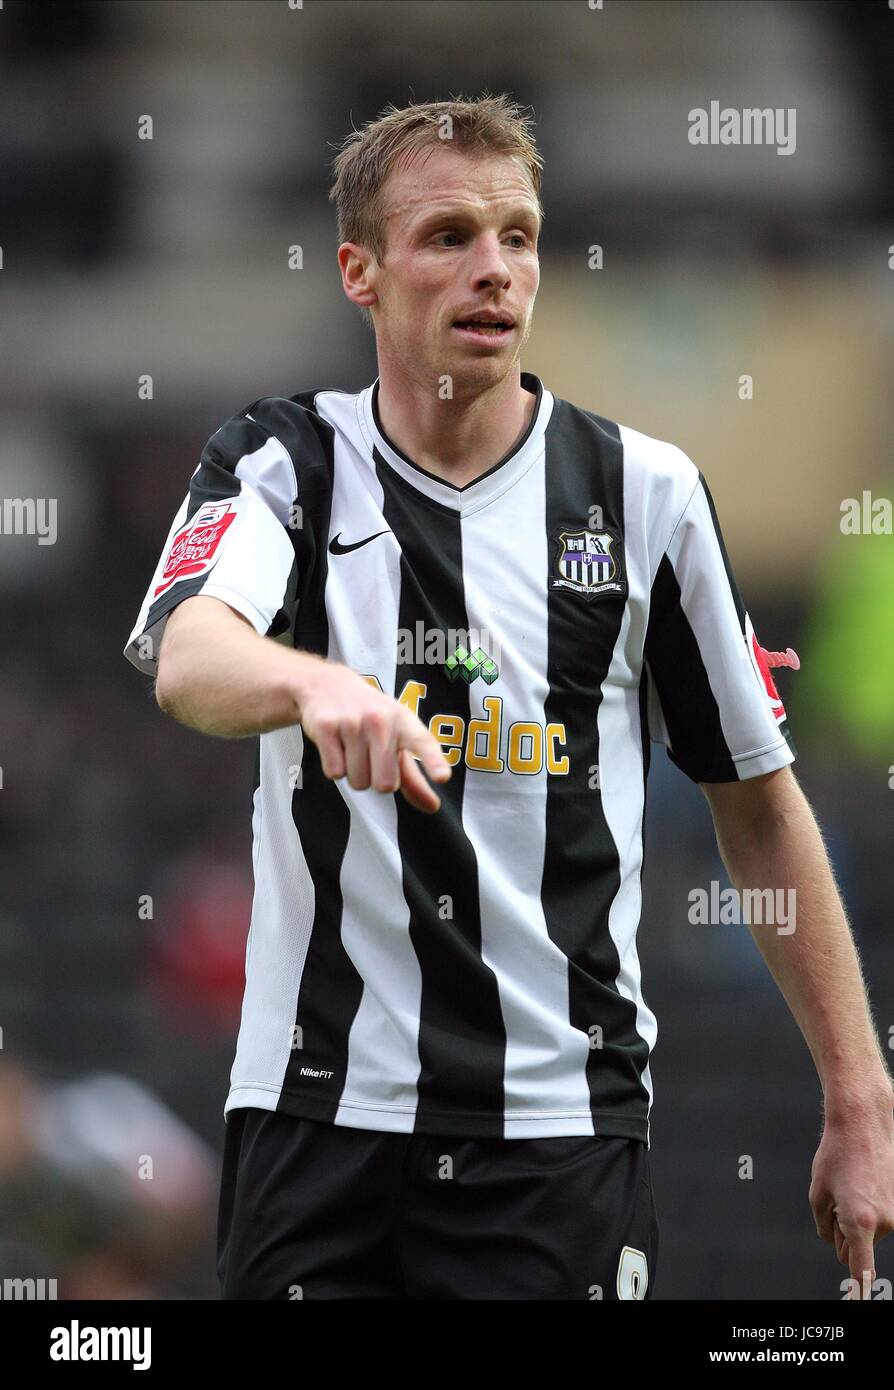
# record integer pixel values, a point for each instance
(195, 545)
(762, 661)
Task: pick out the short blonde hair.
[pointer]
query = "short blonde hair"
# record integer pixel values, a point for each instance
(486, 124)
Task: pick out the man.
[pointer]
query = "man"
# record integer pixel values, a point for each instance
(457, 587)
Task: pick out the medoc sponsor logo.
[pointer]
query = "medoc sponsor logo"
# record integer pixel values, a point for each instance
(77, 1343)
(748, 125)
(486, 744)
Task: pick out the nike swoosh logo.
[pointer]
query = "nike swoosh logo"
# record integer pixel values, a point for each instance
(336, 547)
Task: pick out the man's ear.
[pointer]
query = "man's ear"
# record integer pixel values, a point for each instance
(358, 274)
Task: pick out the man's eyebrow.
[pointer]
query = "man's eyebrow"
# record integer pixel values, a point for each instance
(521, 213)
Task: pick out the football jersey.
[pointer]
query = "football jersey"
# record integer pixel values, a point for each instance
(472, 972)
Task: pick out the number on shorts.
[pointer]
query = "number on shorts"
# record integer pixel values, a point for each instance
(633, 1274)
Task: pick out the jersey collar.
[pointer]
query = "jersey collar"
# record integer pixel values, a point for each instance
(489, 485)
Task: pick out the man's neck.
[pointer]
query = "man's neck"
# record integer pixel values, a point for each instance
(458, 439)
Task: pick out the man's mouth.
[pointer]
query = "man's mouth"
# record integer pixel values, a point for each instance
(484, 328)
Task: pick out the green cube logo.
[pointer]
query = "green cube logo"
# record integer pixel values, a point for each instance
(454, 662)
(471, 665)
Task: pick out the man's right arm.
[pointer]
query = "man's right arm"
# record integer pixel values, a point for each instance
(218, 675)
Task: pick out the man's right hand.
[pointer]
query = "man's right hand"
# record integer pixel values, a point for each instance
(216, 674)
(367, 736)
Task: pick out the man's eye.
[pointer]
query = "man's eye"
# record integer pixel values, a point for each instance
(519, 237)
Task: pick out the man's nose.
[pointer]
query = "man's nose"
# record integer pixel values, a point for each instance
(489, 264)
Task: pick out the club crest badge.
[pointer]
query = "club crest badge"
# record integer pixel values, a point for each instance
(589, 563)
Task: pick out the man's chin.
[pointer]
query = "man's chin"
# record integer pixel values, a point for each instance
(476, 369)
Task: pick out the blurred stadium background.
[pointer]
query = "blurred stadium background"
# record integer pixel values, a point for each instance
(169, 257)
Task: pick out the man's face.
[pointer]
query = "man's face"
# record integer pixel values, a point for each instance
(461, 239)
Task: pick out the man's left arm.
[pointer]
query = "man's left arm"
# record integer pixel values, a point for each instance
(768, 838)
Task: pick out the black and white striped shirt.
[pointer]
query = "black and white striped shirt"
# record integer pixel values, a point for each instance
(473, 972)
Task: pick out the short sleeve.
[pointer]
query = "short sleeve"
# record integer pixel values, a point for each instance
(711, 697)
(230, 539)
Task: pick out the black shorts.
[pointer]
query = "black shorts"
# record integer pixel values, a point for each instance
(311, 1210)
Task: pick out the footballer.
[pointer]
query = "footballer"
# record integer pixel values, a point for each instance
(455, 610)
